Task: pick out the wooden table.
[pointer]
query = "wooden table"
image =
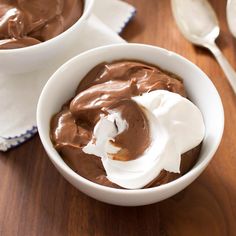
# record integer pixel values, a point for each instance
(36, 200)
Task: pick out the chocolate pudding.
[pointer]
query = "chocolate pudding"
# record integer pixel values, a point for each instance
(108, 88)
(27, 22)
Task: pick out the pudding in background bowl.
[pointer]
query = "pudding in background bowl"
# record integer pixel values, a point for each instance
(61, 87)
(29, 22)
(50, 35)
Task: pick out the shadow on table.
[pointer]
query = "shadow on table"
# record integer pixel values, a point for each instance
(133, 28)
(45, 204)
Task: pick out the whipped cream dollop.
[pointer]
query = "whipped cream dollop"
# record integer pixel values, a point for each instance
(176, 126)
(107, 128)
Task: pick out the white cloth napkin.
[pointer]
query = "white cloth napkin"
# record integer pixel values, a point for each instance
(19, 93)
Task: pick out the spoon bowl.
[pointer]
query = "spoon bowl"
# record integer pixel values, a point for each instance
(231, 16)
(197, 31)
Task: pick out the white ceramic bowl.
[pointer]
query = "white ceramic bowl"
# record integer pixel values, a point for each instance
(23, 60)
(62, 85)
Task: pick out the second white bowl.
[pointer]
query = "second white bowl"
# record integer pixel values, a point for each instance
(36, 57)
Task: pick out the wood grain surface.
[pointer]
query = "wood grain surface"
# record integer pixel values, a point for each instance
(36, 200)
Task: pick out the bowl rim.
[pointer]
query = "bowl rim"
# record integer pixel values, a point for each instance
(72, 174)
(85, 14)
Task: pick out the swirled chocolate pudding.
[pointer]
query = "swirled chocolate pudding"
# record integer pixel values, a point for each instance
(28, 22)
(130, 126)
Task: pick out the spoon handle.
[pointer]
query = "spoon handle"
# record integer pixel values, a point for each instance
(225, 65)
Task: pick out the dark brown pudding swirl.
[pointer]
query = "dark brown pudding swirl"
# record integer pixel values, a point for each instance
(107, 88)
(28, 22)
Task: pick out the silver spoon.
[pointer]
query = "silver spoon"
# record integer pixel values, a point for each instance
(231, 16)
(198, 23)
